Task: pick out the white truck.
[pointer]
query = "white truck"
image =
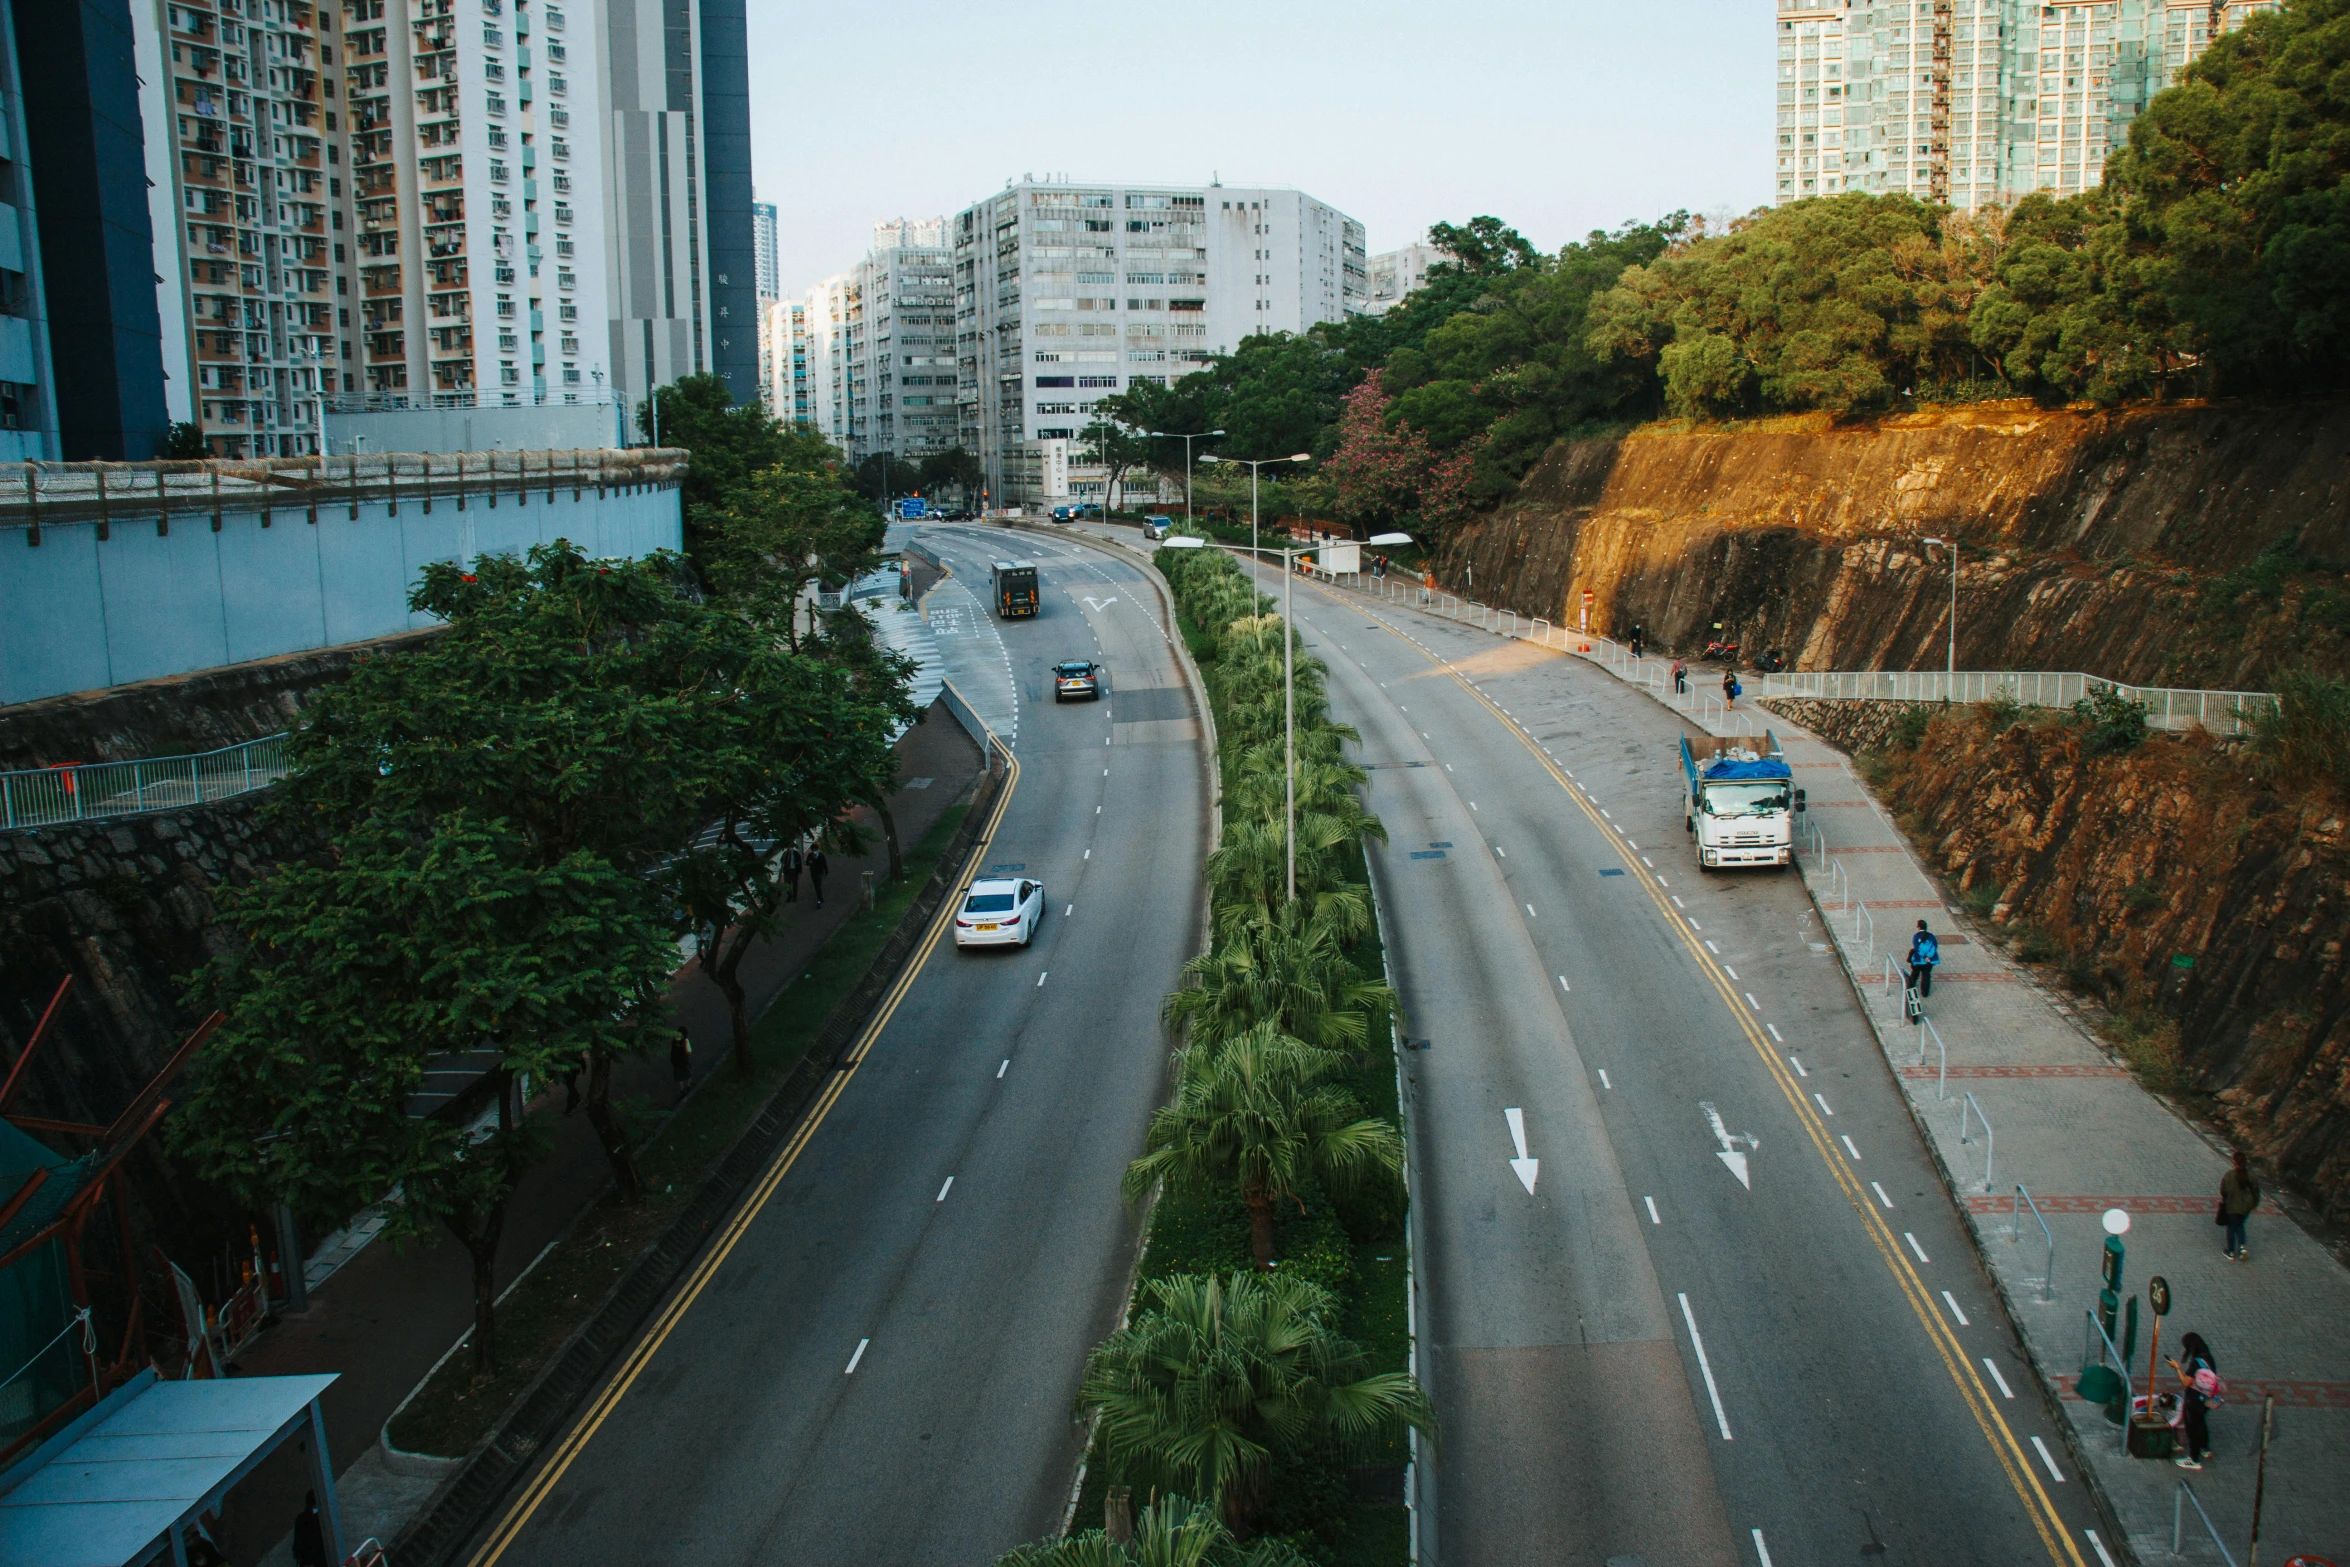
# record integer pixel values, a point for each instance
(1741, 802)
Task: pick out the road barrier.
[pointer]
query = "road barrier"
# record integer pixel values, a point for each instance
(52, 796)
(1990, 1145)
(2015, 1235)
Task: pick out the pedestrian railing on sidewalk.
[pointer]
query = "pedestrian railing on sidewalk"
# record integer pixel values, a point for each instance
(2098, 1345)
(2184, 1499)
(1990, 1145)
(2015, 1236)
(2167, 707)
(52, 796)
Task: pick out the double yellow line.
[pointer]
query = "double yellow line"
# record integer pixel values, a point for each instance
(2014, 1462)
(510, 1527)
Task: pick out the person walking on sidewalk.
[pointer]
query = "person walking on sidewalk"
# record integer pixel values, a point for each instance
(817, 866)
(2199, 1380)
(2239, 1194)
(1680, 678)
(1638, 639)
(1924, 953)
(1730, 688)
(681, 1063)
(792, 864)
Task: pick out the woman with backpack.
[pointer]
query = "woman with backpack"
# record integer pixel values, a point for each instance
(1730, 688)
(2200, 1379)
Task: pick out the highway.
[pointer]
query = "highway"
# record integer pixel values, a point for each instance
(881, 1366)
(1659, 1354)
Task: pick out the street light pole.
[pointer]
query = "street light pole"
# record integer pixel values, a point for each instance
(1950, 691)
(1254, 463)
(1176, 435)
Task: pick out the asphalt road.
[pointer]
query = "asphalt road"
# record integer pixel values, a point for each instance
(882, 1366)
(1860, 1396)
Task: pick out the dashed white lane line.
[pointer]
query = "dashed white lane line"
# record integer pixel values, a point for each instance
(2097, 1545)
(1473, 805)
(1040, 979)
(1678, 904)
(943, 1190)
(1993, 1367)
(1915, 1247)
(1797, 1063)
(1071, 909)
(1603, 1082)
(1750, 1001)
(1652, 1218)
(1823, 1099)
(859, 1355)
(1693, 925)
(1880, 1191)
(1089, 852)
(1448, 767)
(1001, 1070)
(1710, 947)
(1645, 860)
(1733, 973)
(1959, 1312)
(2049, 1459)
(1530, 911)
(1775, 1034)
(1721, 1418)
(1498, 849)
(1105, 772)
(1762, 1552)
(1628, 838)
(1850, 1149)
(1563, 985)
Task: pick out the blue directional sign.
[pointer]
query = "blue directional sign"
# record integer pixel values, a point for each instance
(912, 507)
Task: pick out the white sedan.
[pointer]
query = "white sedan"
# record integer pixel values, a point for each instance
(999, 912)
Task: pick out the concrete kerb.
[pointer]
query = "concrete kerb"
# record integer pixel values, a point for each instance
(469, 1498)
(2043, 1376)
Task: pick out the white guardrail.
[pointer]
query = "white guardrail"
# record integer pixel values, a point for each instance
(53, 796)
(2167, 707)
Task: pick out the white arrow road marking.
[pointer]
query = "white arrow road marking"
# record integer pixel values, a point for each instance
(1524, 1167)
(1095, 604)
(1730, 1154)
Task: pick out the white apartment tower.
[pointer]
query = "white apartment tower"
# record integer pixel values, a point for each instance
(1396, 274)
(879, 347)
(1064, 292)
(1973, 102)
(763, 242)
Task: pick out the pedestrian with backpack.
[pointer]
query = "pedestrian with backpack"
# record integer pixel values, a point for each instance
(1924, 953)
(2201, 1387)
(1730, 688)
(2239, 1194)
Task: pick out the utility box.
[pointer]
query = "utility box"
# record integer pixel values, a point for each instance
(1339, 557)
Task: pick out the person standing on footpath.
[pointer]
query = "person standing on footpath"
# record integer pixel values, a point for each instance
(2199, 1380)
(1924, 953)
(1680, 678)
(792, 864)
(681, 1064)
(817, 866)
(2239, 1194)
(1730, 688)
(1638, 639)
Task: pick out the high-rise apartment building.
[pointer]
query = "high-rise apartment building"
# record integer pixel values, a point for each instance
(1973, 102)
(783, 358)
(1065, 292)
(763, 239)
(28, 379)
(881, 346)
(1397, 273)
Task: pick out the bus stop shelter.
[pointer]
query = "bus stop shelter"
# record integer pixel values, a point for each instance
(122, 1485)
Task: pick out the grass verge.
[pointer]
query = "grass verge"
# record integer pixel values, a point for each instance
(452, 1410)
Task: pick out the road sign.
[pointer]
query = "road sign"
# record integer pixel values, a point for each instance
(913, 507)
(2158, 1295)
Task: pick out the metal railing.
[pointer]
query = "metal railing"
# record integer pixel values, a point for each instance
(35, 495)
(2015, 1236)
(2108, 1355)
(1990, 1144)
(1865, 938)
(2180, 1502)
(52, 796)
(1942, 1073)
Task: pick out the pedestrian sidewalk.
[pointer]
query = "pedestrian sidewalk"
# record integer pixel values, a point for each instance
(387, 1314)
(2016, 1096)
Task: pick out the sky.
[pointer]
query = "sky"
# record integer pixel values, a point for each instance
(1557, 117)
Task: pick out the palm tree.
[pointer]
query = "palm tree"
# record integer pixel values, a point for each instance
(1216, 1377)
(1286, 969)
(1172, 1532)
(1254, 1114)
(1248, 875)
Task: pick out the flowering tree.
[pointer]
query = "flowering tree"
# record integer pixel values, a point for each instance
(1386, 470)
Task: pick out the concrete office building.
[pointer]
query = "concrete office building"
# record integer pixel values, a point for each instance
(1395, 274)
(1064, 292)
(1973, 102)
(28, 382)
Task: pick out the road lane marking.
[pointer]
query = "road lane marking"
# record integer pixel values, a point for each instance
(1001, 1070)
(1914, 1246)
(2099, 1546)
(1523, 1168)
(722, 1245)
(1710, 947)
(1563, 985)
(1040, 979)
(1530, 911)
(943, 1190)
(1774, 1028)
(1880, 1191)
(1677, 903)
(1652, 1218)
(1956, 1310)
(1762, 1552)
(1733, 973)
(1721, 1418)
(1603, 1082)
(1798, 1065)
(1850, 1149)
(1071, 909)
(1097, 811)
(1472, 805)
(2006, 1446)
(1629, 839)
(1645, 860)
(859, 1355)
(2004, 1390)
(1824, 1110)
(1750, 1001)
(2049, 1459)
(1498, 849)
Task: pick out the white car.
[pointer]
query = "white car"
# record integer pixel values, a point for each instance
(999, 912)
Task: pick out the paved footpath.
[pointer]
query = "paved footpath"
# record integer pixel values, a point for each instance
(2070, 1126)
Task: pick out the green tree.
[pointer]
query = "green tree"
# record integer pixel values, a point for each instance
(1111, 444)
(957, 468)
(414, 942)
(1484, 247)
(1254, 1115)
(730, 442)
(779, 528)
(1289, 971)
(1217, 1378)
(1172, 1532)
(184, 442)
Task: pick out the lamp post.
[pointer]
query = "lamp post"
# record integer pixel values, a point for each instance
(1950, 691)
(1176, 435)
(1254, 463)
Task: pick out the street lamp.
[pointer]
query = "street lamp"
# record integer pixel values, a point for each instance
(1175, 435)
(1254, 463)
(1950, 691)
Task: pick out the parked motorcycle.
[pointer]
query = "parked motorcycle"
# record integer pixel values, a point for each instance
(1725, 652)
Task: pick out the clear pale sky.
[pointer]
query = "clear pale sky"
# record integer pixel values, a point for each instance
(1558, 116)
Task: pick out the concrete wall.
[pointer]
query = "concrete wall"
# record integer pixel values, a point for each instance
(545, 427)
(78, 612)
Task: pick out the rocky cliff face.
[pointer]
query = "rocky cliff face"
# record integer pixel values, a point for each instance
(2209, 912)
(2086, 539)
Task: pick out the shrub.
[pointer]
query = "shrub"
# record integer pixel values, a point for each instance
(1910, 724)
(2001, 713)
(2305, 739)
(2115, 724)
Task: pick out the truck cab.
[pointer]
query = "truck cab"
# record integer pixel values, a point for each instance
(1741, 801)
